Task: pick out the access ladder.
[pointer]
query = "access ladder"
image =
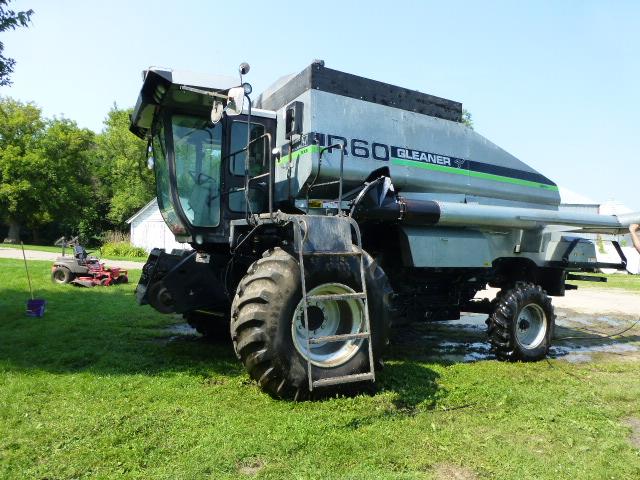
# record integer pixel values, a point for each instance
(306, 246)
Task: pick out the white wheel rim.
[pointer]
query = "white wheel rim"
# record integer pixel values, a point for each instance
(531, 326)
(335, 317)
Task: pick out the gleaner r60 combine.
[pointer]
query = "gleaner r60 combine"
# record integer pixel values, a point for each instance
(335, 205)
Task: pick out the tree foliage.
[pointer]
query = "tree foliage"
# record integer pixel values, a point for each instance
(66, 150)
(44, 175)
(10, 20)
(467, 118)
(68, 180)
(127, 185)
(21, 127)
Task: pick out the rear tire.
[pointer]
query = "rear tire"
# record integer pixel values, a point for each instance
(522, 323)
(265, 310)
(61, 275)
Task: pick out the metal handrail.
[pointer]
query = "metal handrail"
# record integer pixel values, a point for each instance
(313, 184)
(249, 179)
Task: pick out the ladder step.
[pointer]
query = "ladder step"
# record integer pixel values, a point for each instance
(358, 377)
(339, 338)
(337, 296)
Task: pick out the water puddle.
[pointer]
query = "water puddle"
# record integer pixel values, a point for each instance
(181, 329)
(177, 331)
(465, 340)
(573, 353)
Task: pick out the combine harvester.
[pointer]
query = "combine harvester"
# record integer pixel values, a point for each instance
(333, 205)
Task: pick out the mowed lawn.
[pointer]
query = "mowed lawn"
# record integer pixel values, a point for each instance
(103, 388)
(621, 281)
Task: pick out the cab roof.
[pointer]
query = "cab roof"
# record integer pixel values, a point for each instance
(162, 86)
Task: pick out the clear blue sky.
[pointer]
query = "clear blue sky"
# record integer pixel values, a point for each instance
(555, 83)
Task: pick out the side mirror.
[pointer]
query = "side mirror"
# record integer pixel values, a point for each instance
(235, 103)
(216, 111)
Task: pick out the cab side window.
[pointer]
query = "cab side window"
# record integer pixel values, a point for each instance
(257, 154)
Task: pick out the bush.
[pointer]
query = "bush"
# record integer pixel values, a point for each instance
(122, 249)
(115, 236)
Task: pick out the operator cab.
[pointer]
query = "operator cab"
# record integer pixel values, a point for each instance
(198, 153)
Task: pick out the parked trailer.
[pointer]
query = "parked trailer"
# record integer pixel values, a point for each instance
(333, 206)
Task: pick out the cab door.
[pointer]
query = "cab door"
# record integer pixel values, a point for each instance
(258, 164)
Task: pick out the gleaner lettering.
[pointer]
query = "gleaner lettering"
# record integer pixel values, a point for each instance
(423, 157)
(378, 151)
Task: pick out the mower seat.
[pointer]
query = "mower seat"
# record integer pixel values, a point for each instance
(80, 254)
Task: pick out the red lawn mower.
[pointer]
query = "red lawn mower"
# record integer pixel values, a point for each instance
(85, 271)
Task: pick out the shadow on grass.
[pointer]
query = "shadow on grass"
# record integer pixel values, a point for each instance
(415, 384)
(101, 330)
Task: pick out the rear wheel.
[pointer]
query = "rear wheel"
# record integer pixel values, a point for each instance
(521, 325)
(267, 326)
(61, 275)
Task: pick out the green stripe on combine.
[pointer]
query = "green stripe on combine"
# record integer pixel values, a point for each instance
(458, 171)
(292, 157)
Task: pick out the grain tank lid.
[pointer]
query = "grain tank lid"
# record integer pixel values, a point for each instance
(161, 86)
(317, 77)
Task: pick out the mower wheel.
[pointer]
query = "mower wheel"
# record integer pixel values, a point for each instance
(61, 275)
(122, 279)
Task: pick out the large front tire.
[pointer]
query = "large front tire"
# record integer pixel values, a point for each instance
(522, 323)
(265, 313)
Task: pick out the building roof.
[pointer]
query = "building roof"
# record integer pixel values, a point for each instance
(152, 204)
(569, 197)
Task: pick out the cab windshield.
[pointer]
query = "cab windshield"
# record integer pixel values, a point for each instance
(197, 147)
(163, 183)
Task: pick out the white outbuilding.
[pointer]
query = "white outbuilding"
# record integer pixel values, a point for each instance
(149, 231)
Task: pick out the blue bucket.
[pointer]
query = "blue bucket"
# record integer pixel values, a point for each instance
(36, 307)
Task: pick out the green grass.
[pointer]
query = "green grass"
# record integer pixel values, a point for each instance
(68, 251)
(96, 388)
(624, 282)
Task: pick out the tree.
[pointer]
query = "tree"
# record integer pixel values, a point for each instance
(10, 20)
(65, 151)
(44, 175)
(21, 126)
(127, 185)
(467, 119)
